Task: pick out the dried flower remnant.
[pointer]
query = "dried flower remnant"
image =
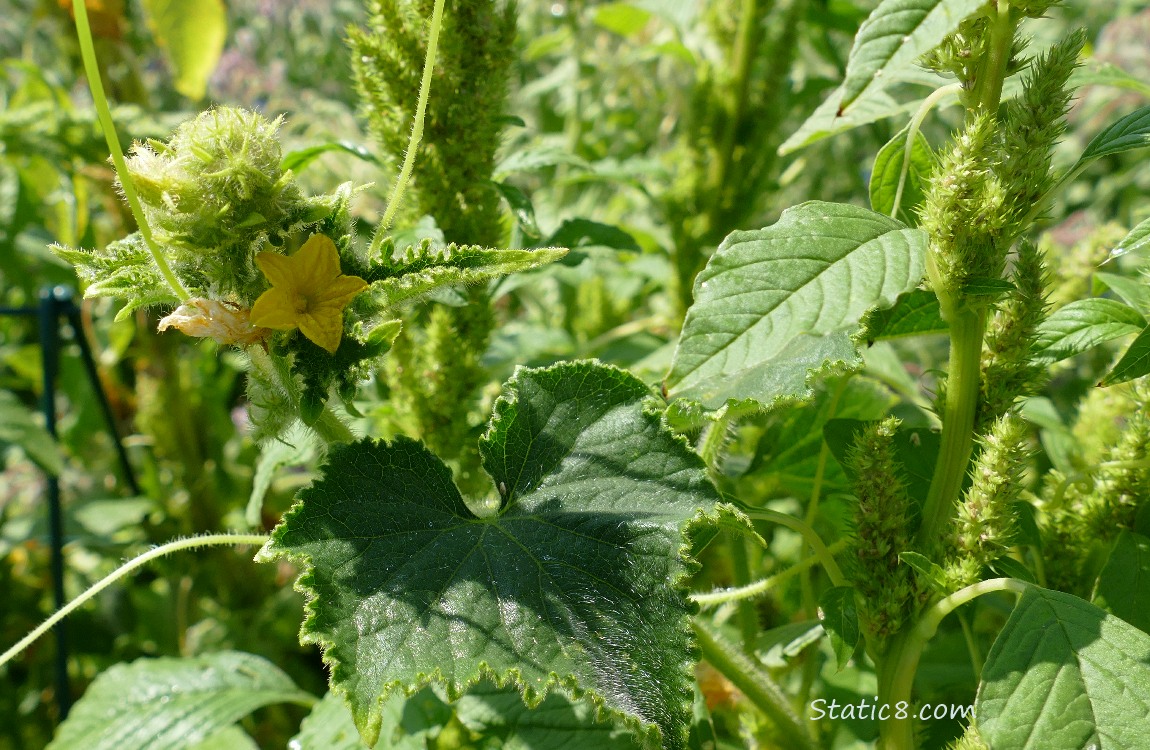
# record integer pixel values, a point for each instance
(309, 292)
(224, 322)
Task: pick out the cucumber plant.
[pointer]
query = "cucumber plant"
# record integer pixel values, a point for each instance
(525, 583)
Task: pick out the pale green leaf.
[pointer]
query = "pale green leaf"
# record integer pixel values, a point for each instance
(572, 582)
(624, 19)
(776, 303)
(228, 738)
(1095, 73)
(888, 170)
(894, 36)
(1065, 674)
(826, 121)
(1084, 324)
(173, 703)
(191, 33)
(295, 161)
(1136, 292)
(1123, 588)
(1136, 242)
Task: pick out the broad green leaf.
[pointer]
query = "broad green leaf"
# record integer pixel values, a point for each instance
(407, 722)
(776, 303)
(300, 158)
(571, 583)
(1122, 588)
(191, 33)
(1135, 362)
(888, 171)
(555, 724)
(1130, 132)
(840, 620)
(914, 313)
(228, 738)
(1136, 292)
(826, 121)
(18, 427)
(1084, 324)
(1064, 674)
(894, 36)
(173, 703)
(776, 647)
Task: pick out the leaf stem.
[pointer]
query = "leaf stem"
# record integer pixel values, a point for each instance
(211, 540)
(810, 535)
(405, 171)
(758, 588)
(100, 100)
(755, 684)
(912, 134)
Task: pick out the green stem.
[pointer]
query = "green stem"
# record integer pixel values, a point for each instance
(992, 74)
(755, 684)
(212, 540)
(896, 678)
(393, 201)
(758, 588)
(912, 134)
(967, 327)
(810, 535)
(92, 71)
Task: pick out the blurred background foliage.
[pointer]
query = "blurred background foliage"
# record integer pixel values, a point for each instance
(638, 133)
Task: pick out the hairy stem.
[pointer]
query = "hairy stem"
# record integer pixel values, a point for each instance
(100, 100)
(758, 588)
(755, 684)
(394, 200)
(810, 535)
(212, 540)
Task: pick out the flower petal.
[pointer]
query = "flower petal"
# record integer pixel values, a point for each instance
(274, 309)
(323, 328)
(278, 269)
(340, 292)
(316, 264)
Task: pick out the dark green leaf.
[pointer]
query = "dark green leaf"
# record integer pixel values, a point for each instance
(1135, 361)
(894, 36)
(888, 171)
(173, 703)
(915, 313)
(297, 160)
(840, 619)
(916, 448)
(1008, 567)
(776, 303)
(1130, 132)
(521, 207)
(581, 232)
(555, 724)
(1064, 674)
(1123, 587)
(572, 582)
(1084, 324)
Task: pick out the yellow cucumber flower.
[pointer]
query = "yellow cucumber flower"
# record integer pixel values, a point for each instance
(308, 292)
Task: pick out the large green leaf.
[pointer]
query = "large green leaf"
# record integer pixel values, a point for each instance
(173, 703)
(1121, 589)
(894, 36)
(555, 724)
(571, 583)
(776, 303)
(1129, 132)
(1084, 324)
(191, 33)
(1065, 674)
(826, 121)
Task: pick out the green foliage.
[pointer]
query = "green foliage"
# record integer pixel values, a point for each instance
(594, 498)
(192, 35)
